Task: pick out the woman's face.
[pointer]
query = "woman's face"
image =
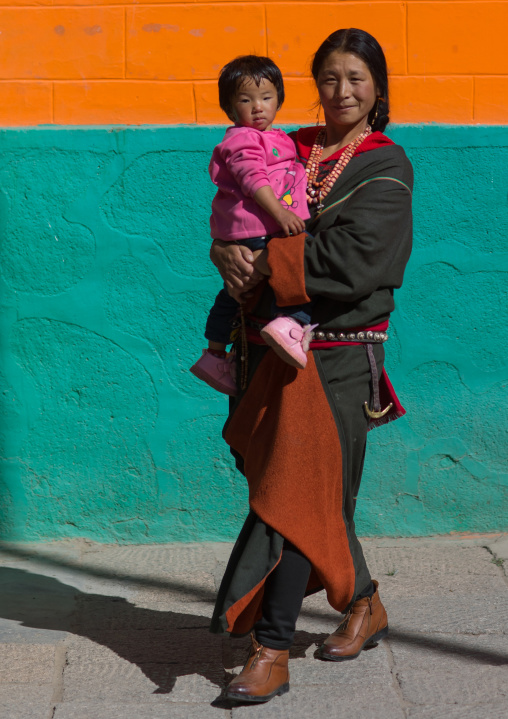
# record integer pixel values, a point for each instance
(346, 90)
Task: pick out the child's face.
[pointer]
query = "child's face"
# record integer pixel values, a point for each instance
(255, 106)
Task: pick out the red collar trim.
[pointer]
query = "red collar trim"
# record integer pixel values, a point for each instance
(306, 135)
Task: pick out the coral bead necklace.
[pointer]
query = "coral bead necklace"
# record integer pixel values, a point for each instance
(318, 190)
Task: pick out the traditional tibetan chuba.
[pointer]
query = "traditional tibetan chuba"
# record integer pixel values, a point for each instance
(318, 190)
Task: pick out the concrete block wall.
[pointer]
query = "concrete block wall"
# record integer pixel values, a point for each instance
(79, 63)
(105, 280)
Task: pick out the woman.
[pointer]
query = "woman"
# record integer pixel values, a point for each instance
(300, 436)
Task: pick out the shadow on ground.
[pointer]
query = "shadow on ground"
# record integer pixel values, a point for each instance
(163, 644)
(166, 645)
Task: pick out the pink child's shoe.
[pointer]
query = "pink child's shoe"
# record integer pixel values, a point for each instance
(288, 339)
(218, 372)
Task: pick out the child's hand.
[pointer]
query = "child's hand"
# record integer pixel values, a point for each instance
(290, 223)
(261, 262)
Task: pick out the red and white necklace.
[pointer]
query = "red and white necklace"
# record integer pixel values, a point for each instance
(317, 191)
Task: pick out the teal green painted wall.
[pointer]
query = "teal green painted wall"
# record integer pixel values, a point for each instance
(104, 288)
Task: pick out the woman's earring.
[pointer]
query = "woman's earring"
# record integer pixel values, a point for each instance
(318, 114)
(380, 99)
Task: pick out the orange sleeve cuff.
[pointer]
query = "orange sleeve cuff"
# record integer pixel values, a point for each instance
(285, 260)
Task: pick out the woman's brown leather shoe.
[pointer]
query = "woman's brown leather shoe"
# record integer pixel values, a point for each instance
(264, 676)
(364, 625)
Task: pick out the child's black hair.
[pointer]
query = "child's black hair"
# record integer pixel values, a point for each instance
(253, 67)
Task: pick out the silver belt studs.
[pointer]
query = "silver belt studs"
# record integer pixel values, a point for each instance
(329, 336)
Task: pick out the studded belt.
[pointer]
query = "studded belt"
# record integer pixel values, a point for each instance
(322, 339)
(331, 335)
(344, 336)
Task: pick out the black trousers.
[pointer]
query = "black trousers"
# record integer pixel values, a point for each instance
(284, 593)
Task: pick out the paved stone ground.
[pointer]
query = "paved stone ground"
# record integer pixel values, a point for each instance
(91, 631)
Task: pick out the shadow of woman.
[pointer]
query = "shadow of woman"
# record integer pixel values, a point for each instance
(165, 645)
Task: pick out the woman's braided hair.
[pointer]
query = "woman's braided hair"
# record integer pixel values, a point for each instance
(366, 47)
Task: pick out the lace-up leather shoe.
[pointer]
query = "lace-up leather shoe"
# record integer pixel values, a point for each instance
(363, 626)
(264, 676)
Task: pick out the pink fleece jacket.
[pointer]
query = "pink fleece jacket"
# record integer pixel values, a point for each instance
(244, 161)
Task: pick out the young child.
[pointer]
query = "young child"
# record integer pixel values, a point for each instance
(261, 193)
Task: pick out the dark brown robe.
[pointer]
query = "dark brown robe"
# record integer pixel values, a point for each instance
(299, 436)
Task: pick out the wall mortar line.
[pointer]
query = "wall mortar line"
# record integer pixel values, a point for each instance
(195, 108)
(473, 99)
(265, 11)
(406, 14)
(125, 42)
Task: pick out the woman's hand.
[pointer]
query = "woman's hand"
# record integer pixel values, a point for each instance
(235, 265)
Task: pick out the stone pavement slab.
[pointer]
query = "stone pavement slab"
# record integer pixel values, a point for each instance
(25, 700)
(498, 546)
(469, 614)
(415, 560)
(104, 710)
(372, 668)
(440, 688)
(374, 702)
(13, 633)
(150, 560)
(462, 711)
(181, 665)
(89, 631)
(21, 709)
(27, 692)
(27, 663)
(446, 651)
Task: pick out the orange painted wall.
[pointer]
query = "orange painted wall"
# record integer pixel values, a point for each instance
(116, 62)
